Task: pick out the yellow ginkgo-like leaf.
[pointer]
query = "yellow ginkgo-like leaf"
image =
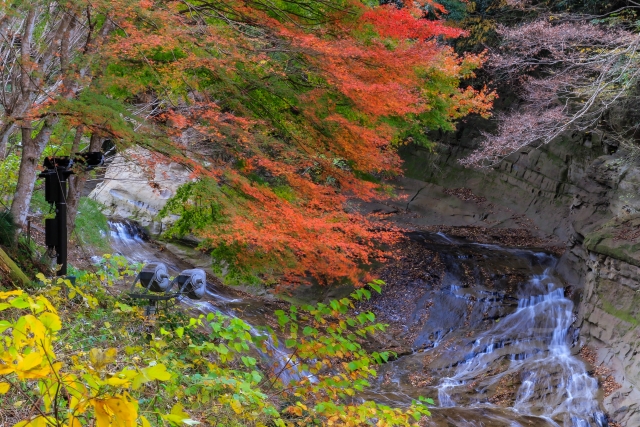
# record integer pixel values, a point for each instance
(51, 321)
(115, 411)
(4, 387)
(100, 358)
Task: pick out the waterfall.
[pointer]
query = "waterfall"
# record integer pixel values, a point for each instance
(533, 343)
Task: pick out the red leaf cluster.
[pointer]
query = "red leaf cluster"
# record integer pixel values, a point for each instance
(283, 168)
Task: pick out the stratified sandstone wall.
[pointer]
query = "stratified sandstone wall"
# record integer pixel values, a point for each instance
(137, 187)
(585, 192)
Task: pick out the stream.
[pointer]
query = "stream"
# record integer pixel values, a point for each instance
(490, 336)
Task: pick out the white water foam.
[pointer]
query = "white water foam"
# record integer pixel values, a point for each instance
(534, 341)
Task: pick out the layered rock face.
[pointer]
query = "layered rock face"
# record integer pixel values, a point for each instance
(137, 188)
(585, 192)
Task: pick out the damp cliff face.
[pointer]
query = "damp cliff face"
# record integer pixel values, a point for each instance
(580, 190)
(137, 187)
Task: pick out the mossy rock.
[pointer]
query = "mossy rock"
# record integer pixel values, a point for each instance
(617, 239)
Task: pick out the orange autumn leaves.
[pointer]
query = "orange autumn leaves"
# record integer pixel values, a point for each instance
(296, 113)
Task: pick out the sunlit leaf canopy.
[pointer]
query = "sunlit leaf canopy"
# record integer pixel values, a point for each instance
(283, 111)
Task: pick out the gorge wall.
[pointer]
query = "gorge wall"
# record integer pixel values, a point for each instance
(580, 190)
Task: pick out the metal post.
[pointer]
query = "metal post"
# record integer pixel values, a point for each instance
(57, 171)
(61, 218)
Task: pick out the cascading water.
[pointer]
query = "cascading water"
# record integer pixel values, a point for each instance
(493, 344)
(531, 343)
(129, 240)
(492, 340)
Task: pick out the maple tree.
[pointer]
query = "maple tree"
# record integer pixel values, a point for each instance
(301, 110)
(284, 111)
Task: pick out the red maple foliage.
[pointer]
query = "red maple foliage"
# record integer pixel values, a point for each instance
(297, 110)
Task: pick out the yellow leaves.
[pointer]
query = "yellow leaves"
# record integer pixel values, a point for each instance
(26, 351)
(20, 300)
(178, 416)
(236, 406)
(29, 362)
(31, 366)
(294, 410)
(122, 379)
(156, 372)
(36, 422)
(29, 331)
(51, 321)
(5, 295)
(116, 411)
(34, 366)
(77, 392)
(74, 422)
(100, 358)
(91, 301)
(144, 421)
(46, 304)
(48, 390)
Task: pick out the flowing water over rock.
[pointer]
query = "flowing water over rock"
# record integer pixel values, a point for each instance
(484, 330)
(130, 240)
(491, 340)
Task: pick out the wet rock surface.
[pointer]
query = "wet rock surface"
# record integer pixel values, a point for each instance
(436, 281)
(486, 331)
(575, 191)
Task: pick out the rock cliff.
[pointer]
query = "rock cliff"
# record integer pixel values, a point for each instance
(580, 190)
(135, 187)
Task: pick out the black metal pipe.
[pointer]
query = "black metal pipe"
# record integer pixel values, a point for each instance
(61, 217)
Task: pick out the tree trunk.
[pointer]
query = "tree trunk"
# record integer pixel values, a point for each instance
(77, 181)
(8, 266)
(32, 77)
(6, 131)
(32, 149)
